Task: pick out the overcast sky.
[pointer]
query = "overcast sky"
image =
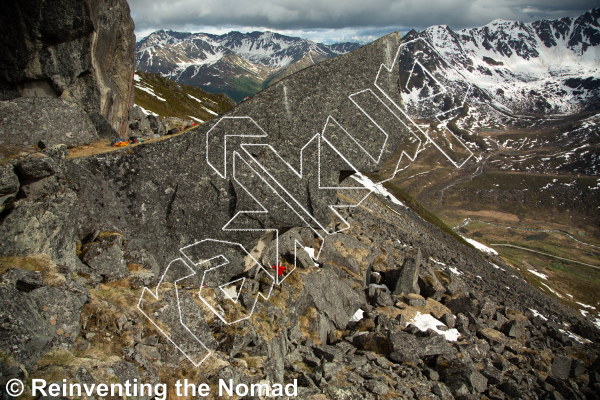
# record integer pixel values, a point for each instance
(342, 20)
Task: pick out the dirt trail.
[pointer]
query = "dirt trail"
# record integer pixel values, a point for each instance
(545, 254)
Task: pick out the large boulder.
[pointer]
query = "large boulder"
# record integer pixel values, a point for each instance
(106, 260)
(44, 226)
(407, 347)
(42, 219)
(289, 245)
(80, 51)
(33, 121)
(142, 124)
(36, 166)
(331, 296)
(39, 309)
(405, 280)
(9, 185)
(175, 201)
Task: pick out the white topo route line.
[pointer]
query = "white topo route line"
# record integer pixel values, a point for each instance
(231, 291)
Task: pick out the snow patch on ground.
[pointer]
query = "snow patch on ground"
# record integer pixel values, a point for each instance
(537, 314)
(586, 306)
(147, 112)
(545, 277)
(437, 262)
(456, 271)
(574, 336)
(311, 253)
(204, 108)
(150, 92)
(231, 292)
(426, 321)
(376, 188)
(358, 315)
(481, 247)
(550, 289)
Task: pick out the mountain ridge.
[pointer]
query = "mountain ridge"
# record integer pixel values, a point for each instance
(191, 58)
(543, 67)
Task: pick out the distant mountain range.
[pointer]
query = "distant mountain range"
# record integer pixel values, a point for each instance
(238, 64)
(537, 69)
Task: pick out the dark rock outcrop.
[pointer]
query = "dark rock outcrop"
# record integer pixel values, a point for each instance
(405, 279)
(41, 220)
(80, 51)
(38, 312)
(106, 260)
(9, 186)
(140, 124)
(333, 297)
(33, 121)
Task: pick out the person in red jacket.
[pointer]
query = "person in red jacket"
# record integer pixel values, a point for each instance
(279, 268)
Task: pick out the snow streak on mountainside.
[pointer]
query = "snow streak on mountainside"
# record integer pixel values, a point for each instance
(540, 68)
(235, 63)
(164, 98)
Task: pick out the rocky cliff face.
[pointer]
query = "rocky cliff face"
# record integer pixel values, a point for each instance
(81, 52)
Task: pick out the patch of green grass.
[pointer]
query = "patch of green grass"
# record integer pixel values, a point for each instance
(6, 359)
(29, 263)
(56, 357)
(565, 201)
(563, 277)
(240, 88)
(576, 270)
(414, 205)
(178, 102)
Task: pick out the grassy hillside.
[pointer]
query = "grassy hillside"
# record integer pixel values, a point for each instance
(413, 204)
(166, 98)
(238, 88)
(545, 225)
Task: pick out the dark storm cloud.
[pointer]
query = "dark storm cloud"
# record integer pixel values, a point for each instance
(288, 15)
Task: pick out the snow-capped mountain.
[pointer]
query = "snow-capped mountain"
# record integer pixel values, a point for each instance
(275, 50)
(235, 63)
(529, 91)
(540, 68)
